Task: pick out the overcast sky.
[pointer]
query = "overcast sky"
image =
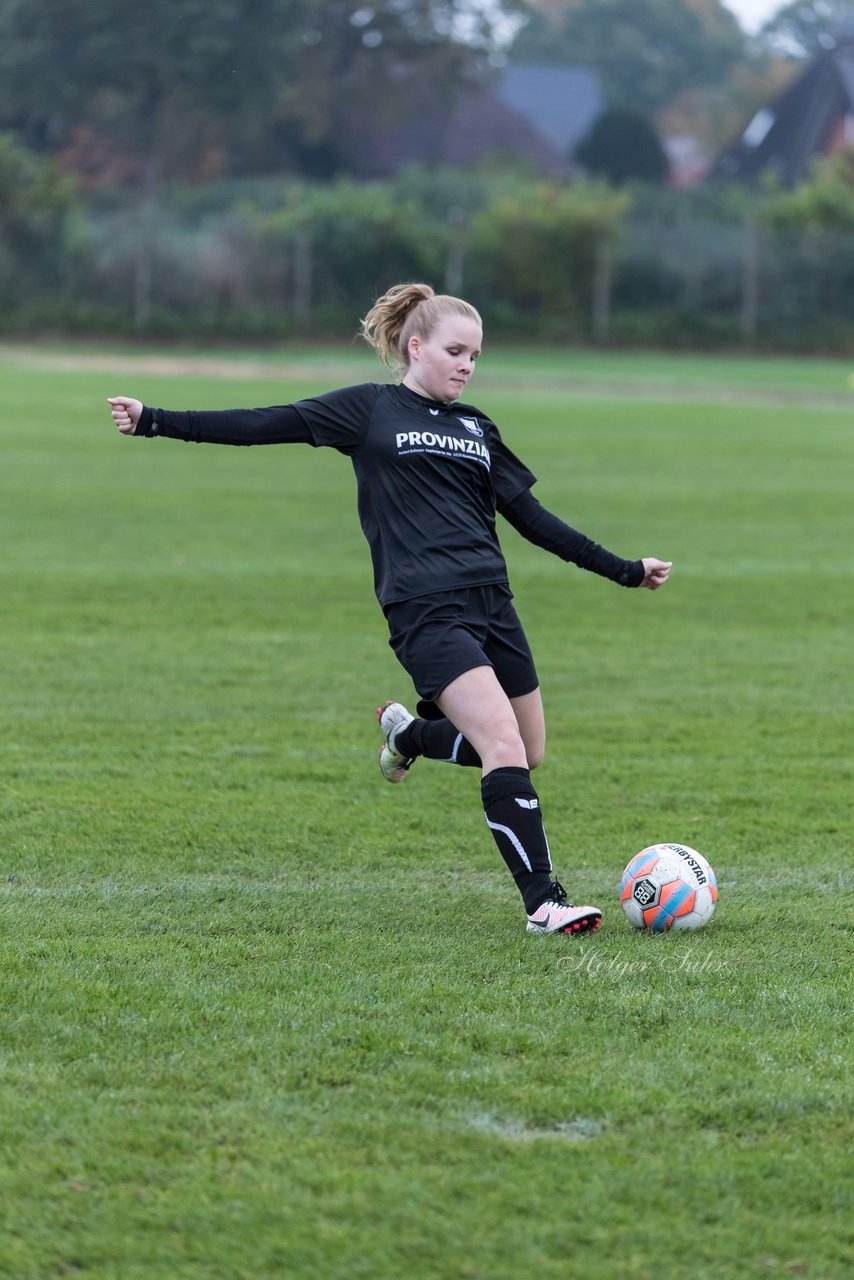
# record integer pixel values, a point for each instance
(752, 13)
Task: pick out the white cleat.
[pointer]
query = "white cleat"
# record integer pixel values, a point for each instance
(393, 717)
(556, 915)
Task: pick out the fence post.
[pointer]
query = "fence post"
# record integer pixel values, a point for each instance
(302, 277)
(603, 273)
(455, 255)
(148, 206)
(143, 271)
(749, 281)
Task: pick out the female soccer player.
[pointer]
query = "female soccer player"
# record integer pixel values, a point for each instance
(432, 473)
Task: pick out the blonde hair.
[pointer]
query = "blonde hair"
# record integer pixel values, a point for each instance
(408, 309)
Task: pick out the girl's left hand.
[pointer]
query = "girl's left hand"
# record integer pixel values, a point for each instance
(655, 572)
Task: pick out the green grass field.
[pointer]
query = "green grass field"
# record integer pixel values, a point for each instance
(263, 1015)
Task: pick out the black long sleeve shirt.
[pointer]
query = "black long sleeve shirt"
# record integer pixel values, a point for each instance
(430, 476)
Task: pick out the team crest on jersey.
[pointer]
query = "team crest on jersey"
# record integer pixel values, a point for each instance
(471, 424)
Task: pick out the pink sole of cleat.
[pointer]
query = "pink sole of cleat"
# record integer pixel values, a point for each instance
(583, 926)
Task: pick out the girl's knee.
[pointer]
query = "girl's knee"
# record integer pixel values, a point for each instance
(504, 746)
(510, 746)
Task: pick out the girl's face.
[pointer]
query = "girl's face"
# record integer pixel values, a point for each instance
(440, 366)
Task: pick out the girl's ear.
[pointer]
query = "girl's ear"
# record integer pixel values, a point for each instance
(414, 346)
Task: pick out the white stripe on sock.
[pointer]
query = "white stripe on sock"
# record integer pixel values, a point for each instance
(514, 840)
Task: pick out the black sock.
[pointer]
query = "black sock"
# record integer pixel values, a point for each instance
(513, 815)
(437, 740)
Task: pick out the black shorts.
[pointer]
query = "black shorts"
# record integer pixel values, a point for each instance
(437, 637)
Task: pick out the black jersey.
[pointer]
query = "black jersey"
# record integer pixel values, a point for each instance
(431, 477)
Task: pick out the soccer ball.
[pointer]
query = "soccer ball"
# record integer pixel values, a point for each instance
(668, 886)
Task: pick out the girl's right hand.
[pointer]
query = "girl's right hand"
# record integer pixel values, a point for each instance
(125, 413)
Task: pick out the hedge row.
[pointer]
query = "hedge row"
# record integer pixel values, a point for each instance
(542, 261)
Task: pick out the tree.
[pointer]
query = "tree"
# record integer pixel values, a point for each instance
(169, 82)
(807, 27)
(141, 73)
(623, 146)
(542, 255)
(645, 51)
(148, 76)
(37, 204)
(826, 201)
(180, 89)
